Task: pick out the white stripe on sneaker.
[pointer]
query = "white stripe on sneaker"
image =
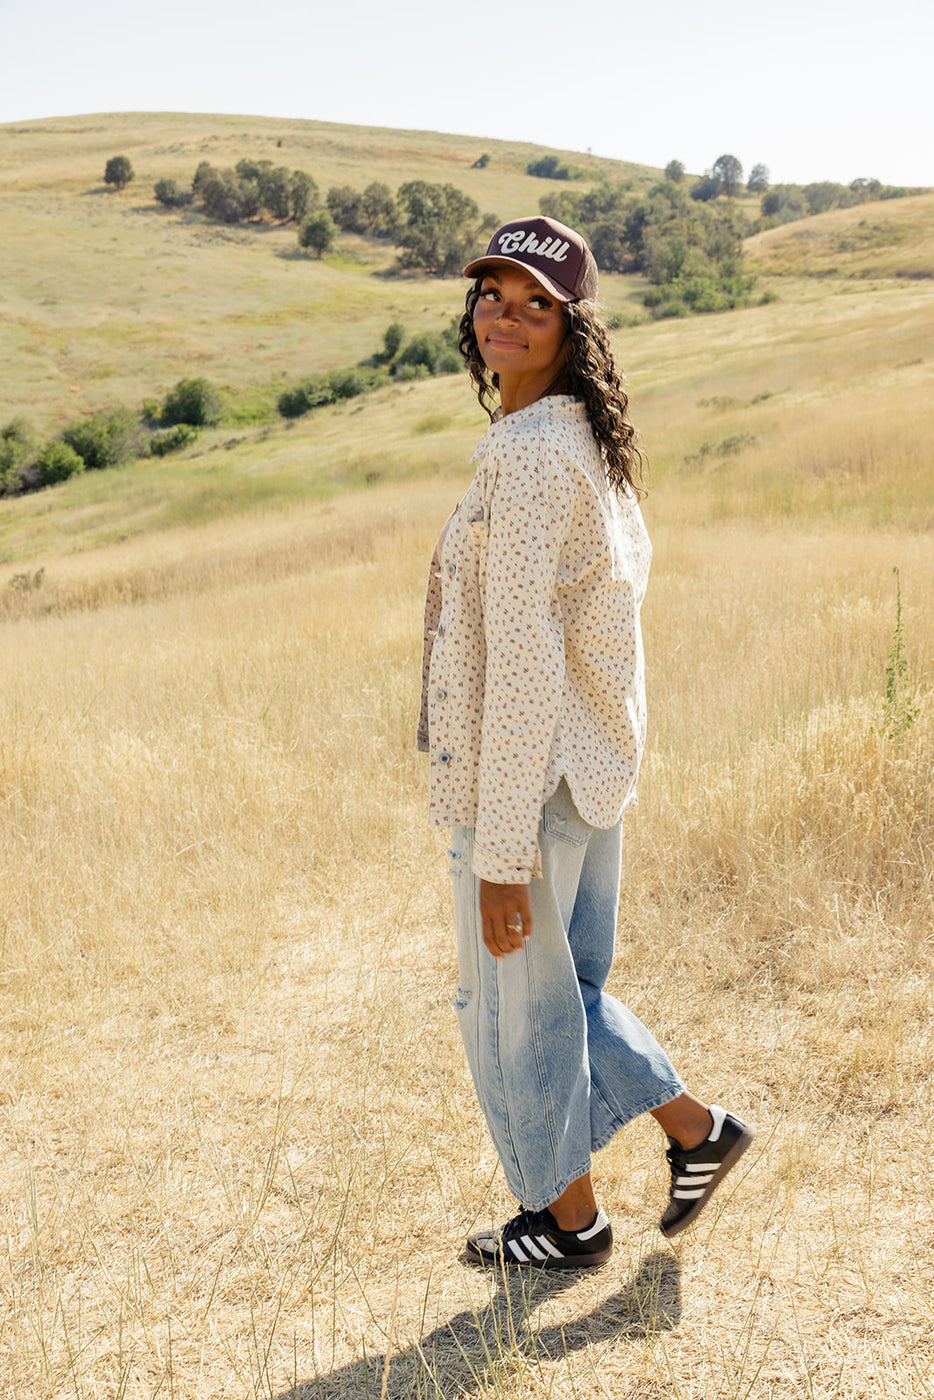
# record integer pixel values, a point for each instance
(520, 1256)
(533, 1246)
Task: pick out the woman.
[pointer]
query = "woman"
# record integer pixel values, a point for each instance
(533, 712)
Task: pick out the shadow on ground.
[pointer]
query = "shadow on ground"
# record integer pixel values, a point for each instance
(464, 1356)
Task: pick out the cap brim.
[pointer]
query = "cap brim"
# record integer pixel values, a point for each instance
(480, 265)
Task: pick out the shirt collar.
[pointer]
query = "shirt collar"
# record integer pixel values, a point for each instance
(551, 406)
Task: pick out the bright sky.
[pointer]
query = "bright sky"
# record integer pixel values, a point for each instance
(814, 89)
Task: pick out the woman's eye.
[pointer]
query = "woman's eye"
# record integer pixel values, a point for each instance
(540, 304)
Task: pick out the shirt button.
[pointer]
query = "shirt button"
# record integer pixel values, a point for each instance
(441, 630)
(444, 758)
(441, 693)
(450, 570)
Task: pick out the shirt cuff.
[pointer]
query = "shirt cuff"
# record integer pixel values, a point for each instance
(488, 865)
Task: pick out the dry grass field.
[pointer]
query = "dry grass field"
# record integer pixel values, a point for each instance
(240, 1148)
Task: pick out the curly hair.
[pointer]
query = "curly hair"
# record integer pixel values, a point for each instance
(589, 374)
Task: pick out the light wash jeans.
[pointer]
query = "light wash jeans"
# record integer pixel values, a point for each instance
(558, 1064)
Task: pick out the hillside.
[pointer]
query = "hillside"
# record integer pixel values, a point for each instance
(893, 238)
(108, 297)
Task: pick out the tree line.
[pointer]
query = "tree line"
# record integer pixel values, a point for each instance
(690, 251)
(436, 227)
(781, 204)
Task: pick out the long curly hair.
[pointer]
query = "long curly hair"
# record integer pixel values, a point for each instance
(589, 374)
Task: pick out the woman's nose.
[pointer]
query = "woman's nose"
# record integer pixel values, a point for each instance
(507, 311)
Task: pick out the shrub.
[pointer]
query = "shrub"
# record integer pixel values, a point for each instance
(193, 401)
(118, 172)
(292, 403)
(104, 440)
(346, 383)
(674, 171)
(16, 443)
(56, 462)
(424, 350)
(706, 189)
(393, 336)
(549, 168)
(204, 171)
(407, 372)
(172, 439)
(171, 194)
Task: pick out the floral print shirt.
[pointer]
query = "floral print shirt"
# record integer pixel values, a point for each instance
(533, 665)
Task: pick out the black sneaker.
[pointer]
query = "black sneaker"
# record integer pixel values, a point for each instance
(695, 1175)
(533, 1240)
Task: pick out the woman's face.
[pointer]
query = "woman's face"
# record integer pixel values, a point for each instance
(521, 332)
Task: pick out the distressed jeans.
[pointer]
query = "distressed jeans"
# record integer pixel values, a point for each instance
(558, 1065)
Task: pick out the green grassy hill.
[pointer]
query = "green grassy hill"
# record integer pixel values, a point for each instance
(108, 297)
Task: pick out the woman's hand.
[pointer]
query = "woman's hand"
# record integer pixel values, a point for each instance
(506, 911)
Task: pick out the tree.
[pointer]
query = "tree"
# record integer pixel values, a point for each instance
(825, 194)
(758, 181)
(674, 171)
(728, 173)
(784, 203)
(379, 211)
(227, 197)
(442, 226)
(705, 189)
(318, 233)
(345, 206)
(118, 172)
(303, 195)
(275, 191)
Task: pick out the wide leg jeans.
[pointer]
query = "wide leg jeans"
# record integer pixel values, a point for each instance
(558, 1064)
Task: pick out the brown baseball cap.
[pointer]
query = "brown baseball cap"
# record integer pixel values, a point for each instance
(555, 255)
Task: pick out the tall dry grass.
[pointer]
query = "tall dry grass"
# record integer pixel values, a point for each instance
(240, 1147)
